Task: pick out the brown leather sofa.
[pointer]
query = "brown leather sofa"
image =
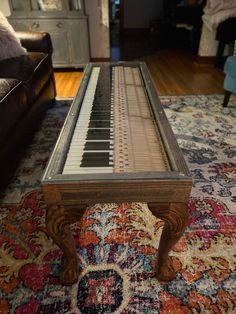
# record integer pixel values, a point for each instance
(27, 89)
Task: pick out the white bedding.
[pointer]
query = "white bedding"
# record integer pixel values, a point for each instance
(214, 6)
(217, 11)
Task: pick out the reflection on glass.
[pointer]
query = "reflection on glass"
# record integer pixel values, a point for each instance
(50, 5)
(75, 5)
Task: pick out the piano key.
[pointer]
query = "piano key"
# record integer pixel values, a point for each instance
(99, 124)
(96, 155)
(74, 156)
(85, 170)
(97, 146)
(92, 136)
(104, 107)
(85, 111)
(76, 144)
(101, 134)
(99, 163)
(100, 115)
(92, 140)
(95, 159)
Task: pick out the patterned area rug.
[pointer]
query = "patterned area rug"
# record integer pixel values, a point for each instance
(117, 244)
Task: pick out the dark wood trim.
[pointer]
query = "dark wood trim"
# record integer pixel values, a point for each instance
(92, 192)
(100, 59)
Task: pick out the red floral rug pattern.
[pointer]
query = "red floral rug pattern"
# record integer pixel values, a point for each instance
(117, 244)
(117, 247)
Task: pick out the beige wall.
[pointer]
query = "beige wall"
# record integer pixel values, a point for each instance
(99, 33)
(4, 7)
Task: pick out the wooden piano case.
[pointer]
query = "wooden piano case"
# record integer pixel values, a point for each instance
(68, 195)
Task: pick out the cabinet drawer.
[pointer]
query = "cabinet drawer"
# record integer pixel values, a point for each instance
(19, 25)
(48, 25)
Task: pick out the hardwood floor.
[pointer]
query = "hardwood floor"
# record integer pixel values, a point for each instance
(178, 73)
(67, 83)
(174, 72)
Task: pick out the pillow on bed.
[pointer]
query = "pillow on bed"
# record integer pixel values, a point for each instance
(10, 45)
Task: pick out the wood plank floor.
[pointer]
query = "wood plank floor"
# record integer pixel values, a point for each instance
(67, 83)
(174, 72)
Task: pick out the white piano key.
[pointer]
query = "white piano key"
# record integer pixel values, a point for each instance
(87, 170)
(84, 114)
(77, 145)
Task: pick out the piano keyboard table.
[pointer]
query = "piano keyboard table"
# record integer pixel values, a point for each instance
(116, 145)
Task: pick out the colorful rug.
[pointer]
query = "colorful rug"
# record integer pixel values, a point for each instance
(117, 244)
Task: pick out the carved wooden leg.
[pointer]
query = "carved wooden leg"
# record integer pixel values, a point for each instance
(175, 216)
(58, 226)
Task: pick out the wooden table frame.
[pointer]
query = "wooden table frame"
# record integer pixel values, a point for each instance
(68, 196)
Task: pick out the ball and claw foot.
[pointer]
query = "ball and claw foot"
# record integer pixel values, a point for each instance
(165, 271)
(69, 272)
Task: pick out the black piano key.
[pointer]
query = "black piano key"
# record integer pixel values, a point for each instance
(96, 155)
(103, 109)
(98, 163)
(97, 159)
(96, 115)
(97, 146)
(99, 124)
(98, 134)
(99, 106)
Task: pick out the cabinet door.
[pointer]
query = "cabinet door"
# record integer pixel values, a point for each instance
(75, 7)
(45, 8)
(78, 31)
(19, 7)
(59, 35)
(60, 56)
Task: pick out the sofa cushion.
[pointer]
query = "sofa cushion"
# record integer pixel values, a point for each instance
(13, 104)
(34, 69)
(18, 68)
(10, 45)
(42, 71)
(35, 41)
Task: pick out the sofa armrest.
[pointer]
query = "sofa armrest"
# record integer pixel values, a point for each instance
(36, 41)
